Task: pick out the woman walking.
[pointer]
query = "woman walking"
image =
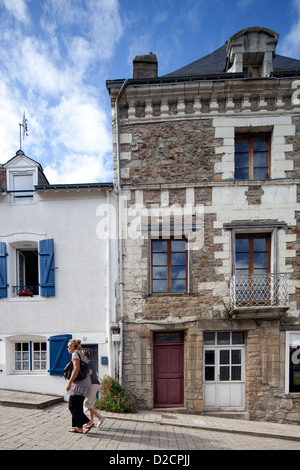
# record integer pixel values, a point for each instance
(77, 389)
(89, 402)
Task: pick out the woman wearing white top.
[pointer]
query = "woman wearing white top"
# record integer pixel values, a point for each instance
(89, 402)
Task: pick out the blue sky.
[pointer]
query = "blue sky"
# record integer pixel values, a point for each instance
(56, 55)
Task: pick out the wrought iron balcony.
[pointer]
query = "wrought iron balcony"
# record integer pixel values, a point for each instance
(259, 290)
(25, 291)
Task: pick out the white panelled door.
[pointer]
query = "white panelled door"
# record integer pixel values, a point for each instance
(224, 371)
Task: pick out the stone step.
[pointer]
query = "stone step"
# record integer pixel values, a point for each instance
(28, 400)
(244, 415)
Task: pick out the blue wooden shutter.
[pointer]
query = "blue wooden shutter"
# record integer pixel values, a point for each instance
(59, 355)
(47, 281)
(3, 270)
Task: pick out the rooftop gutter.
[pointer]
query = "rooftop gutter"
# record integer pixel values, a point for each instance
(68, 187)
(197, 78)
(162, 80)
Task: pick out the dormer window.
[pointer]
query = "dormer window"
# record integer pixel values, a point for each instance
(252, 71)
(22, 187)
(251, 51)
(22, 175)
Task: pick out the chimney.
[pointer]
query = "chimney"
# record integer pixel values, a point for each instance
(145, 66)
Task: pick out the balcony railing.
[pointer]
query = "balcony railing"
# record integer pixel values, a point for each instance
(25, 291)
(259, 290)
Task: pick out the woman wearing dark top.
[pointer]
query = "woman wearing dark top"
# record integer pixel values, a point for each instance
(77, 389)
(89, 402)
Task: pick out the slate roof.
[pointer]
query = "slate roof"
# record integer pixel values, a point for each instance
(216, 62)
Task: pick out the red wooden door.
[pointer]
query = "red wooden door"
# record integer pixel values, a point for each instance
(168, 370)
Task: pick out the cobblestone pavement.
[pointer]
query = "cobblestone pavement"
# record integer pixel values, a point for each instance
(47, 429)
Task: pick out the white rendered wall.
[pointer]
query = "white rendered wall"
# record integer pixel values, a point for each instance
(84, 295)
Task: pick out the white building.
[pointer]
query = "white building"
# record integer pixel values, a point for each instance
(53, 242)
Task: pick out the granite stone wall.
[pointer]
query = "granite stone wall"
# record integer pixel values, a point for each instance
(177, 148)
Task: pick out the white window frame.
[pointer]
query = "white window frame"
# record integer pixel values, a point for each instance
(23, 197)
(22, 266)
(21, 241)
(15, 197)
(292, 337)
(31, 369)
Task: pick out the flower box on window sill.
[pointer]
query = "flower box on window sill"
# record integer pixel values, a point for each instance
(25, 293)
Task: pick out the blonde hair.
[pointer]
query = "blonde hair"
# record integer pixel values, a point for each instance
(76, 343)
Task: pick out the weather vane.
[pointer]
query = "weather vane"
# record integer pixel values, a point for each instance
(25, 128)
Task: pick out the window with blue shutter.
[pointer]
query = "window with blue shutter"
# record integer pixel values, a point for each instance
(47, 276)
(3, 270)
(59, 354)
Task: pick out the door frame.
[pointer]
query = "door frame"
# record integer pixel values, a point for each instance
(218, 394)
(164, 344)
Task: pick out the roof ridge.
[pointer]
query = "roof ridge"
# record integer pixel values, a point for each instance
(214, 63)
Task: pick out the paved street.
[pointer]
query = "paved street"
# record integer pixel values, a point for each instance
(47, 429)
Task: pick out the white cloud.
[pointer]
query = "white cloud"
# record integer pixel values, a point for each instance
(78, 168)
(80, 53)
(18, 9)
(81, 125)
(53, 72)
(38, 69)
(160, 17)
(290, 44)
(141, 44)
(9, 123)
(106, 26)
(97, 22)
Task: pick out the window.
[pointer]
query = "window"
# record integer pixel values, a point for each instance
(27, 271)
(223, 338)
(252, 71)
(168, 266)
(252, 254)
(223, 355)
(23, 187)
(252, 156)
(30, 356)
(34, 269)
(293, 362)
(255, 280)
(174, 337)
(252, 265)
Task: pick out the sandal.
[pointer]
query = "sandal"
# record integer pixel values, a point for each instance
(88, 428)
(101, 422)
(75, 431)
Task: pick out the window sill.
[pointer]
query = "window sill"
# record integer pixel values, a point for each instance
(35, 298)
(168, 294)
(29, 372)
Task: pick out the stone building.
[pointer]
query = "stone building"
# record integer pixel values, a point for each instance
(207, 167)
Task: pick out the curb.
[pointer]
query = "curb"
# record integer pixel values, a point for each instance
(210, 428)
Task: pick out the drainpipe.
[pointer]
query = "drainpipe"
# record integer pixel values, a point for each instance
(121, 280)
(108, 305)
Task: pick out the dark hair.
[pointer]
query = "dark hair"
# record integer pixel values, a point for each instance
(88, 353)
